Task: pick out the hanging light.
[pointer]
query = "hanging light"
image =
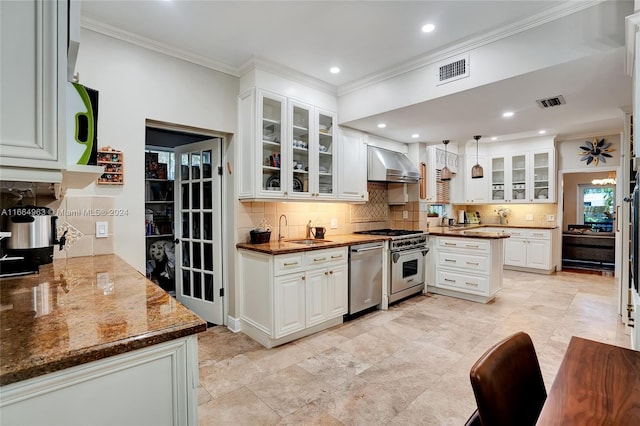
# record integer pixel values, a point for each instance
(445, 173)
(476, 171)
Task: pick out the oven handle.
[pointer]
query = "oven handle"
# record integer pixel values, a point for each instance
(395, 256)
(360, 250)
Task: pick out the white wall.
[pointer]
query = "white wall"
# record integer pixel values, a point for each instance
(569, 154)
(135, 84)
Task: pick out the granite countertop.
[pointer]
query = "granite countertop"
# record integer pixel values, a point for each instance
(80, 310)
(284, 247)
(475, 231)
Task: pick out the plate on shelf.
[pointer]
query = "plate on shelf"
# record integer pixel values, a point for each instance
(297, 185)
(542, 194)
(498, 195)
(273, 183)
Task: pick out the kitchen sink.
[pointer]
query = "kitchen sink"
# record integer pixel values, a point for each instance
(309, 242)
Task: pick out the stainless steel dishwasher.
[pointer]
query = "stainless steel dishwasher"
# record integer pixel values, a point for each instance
(365, 276)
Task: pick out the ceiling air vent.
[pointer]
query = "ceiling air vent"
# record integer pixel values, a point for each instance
(453, 69)
(551, 102)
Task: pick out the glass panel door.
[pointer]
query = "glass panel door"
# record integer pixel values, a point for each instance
(300, 132)
(518, 177)
(199, 247)
(541, 174)
(271, 140)
(325, 155)
(497, 178)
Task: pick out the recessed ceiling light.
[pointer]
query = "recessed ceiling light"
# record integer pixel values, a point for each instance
(381, 126)
(507, 114)
(542, 132)
(428, 28)
(415, 135)
(493, 138)
(334, 70)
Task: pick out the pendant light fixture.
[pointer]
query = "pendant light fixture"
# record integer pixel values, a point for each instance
(476, 171)
(445, 173)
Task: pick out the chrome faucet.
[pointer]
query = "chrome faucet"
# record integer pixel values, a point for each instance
(280, 236)
(308, 235)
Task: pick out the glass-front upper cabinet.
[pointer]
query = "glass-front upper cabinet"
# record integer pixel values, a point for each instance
(325, 155)
(272, 113)
(301, 145)
(518, 187)
(542, 177)
(497, 179)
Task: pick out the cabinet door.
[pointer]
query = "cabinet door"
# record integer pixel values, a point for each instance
(517, 179)
(498, 179)
(476, 190)
(289, 304)
(538, 253)
(515, 252)
(542, 177)
(352, 166)
(324, 161)
(271, 143)
(33, 115)
(316, 296)
(337, 292)
(302, 142)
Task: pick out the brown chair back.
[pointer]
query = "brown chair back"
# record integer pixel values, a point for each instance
(507, 383)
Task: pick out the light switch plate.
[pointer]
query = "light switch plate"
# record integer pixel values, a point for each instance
(102, 229)
(528, 217)
(405, 214)
(550, 218)
(334, 223)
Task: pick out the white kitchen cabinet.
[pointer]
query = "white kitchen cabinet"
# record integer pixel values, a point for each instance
(285, 297)
(33, 84)
(468, 268)
(352, 166)
(523, 178)
(438, 191)
(286, 149)
(157, 385)
(476, 191)
(529, 249)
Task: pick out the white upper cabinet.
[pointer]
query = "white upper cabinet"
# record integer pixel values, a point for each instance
(32, 83)
(352, 166)
(287, 149)
(523, 178)
(476, 190)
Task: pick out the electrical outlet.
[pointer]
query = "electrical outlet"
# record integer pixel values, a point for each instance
(550, 218)
(528, 217)
(102, 229)
(334, 223)
(405, 214)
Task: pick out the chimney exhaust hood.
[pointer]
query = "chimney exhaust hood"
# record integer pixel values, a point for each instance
(384, 165)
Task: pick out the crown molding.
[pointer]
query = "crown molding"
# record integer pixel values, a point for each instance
(560, 11)
(147, 43)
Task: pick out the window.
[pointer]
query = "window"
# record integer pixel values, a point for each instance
(595, 207)
(166, 156)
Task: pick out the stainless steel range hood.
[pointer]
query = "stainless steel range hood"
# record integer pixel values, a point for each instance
(384, 165)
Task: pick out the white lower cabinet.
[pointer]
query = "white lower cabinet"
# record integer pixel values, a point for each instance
(288, 296)
(468, 268)
(157, 385)
(529, 249)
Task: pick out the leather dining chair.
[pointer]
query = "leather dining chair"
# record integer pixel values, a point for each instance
(508, 385)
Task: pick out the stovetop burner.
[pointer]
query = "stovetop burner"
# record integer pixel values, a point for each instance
(389, 232)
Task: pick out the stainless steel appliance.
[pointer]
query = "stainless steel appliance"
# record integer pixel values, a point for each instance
(406, 269)
(33, 233)
(365, 276)
(389, 166)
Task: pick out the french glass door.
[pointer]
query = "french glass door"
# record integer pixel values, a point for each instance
(198, 229)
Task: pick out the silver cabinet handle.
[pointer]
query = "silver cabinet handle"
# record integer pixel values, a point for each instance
(450, 244)
(319, 259)
(336, 256)
(472, 284)
(471, 245)
(450, 260)
(449, 281)
(290, 263)
(473, 263)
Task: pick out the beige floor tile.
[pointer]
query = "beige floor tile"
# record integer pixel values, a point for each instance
(240, 407)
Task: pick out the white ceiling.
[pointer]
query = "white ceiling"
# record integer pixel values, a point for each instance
(367, 38)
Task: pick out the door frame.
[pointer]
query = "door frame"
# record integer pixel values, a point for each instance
(228, 211)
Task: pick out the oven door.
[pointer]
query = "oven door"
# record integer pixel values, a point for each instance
(407, 269)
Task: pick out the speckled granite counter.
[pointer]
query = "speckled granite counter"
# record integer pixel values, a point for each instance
(285, 247)
(478, 231)
(82, 310)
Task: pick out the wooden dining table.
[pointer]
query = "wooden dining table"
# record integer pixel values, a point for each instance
(597, 384)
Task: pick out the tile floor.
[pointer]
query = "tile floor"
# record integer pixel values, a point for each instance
(405, 366)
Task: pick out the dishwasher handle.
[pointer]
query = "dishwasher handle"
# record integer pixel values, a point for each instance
(361, 250)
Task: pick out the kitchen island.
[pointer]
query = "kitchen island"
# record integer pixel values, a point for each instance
(90, 340)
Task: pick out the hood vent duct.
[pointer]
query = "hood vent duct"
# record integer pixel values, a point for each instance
(384, 165)
(551, 102)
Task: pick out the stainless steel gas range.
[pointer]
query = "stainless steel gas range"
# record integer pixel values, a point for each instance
(406, 268)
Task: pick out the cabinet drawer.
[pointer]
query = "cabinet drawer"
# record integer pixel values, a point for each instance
(516, 233)
(538, 234)
(326, 257)
(464, 244)
(464, 261)
(288, 263)
(462, 282)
